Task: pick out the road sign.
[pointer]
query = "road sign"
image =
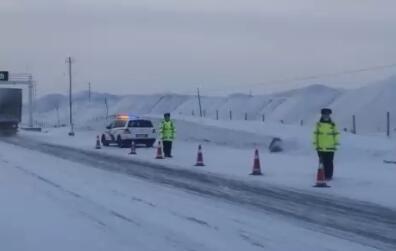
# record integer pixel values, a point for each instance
(3, 75)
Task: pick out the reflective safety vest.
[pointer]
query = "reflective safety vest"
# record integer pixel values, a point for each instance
(167, 130)
(326, 137)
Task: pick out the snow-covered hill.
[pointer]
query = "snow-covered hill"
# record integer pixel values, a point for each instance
(369, 104)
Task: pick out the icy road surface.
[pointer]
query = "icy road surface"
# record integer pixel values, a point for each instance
(60, 198)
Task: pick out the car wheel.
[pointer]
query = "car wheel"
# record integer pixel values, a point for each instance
(119, 142)
(104, 141)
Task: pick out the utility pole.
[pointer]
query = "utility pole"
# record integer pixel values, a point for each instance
(107, 109)
(57, 115)
(353, 124)
(30, 101)
(89, 92)
(69, 62)
(388, 124)
(199, 103)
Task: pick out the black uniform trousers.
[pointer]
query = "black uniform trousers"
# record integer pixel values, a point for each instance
(327, 159)
(167, 148)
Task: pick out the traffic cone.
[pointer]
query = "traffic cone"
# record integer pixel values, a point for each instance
(159, 151)
(133, 148)
(320, 177)
(200, 161)
(256, 165)
(97, 142)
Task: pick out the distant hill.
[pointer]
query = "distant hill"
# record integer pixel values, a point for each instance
(369, 104)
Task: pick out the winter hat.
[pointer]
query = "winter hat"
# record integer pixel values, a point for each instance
(326, 111)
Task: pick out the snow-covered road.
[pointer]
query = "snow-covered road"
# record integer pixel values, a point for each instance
(50, 203)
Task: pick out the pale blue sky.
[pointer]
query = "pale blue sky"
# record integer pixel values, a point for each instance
(125, 46)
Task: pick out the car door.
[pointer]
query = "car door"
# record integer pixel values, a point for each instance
(118, 128)
(109, 131)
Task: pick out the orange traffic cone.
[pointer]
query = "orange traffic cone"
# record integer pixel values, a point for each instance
(256, 165)
(133, 148)
(159, 151)
(97, 142)
(200, 161)
(320, 177)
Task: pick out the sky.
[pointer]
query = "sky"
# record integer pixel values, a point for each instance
(219, 46)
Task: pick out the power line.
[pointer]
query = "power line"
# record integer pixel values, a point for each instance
(314, 77)
(333, 74)
(89, 92)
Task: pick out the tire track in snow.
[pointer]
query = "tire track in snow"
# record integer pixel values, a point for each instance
(78, 196)
(357, 221)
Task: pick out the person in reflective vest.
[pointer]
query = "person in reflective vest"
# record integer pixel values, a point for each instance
(326, 141)
(167, 133)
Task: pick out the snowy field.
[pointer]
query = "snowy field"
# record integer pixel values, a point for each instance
(55, 198)
(229, 146)
(55, 204)
(60, 193)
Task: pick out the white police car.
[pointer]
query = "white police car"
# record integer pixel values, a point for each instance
(124, 129)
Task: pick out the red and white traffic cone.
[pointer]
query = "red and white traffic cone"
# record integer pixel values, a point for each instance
(160, 154)
(97, 142)
(200, 161)
(320, 177)
(133, 148)
(256, 165)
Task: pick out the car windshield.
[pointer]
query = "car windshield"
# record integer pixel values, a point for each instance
(140, 123)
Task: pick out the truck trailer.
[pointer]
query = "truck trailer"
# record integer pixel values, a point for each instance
(10, 109)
